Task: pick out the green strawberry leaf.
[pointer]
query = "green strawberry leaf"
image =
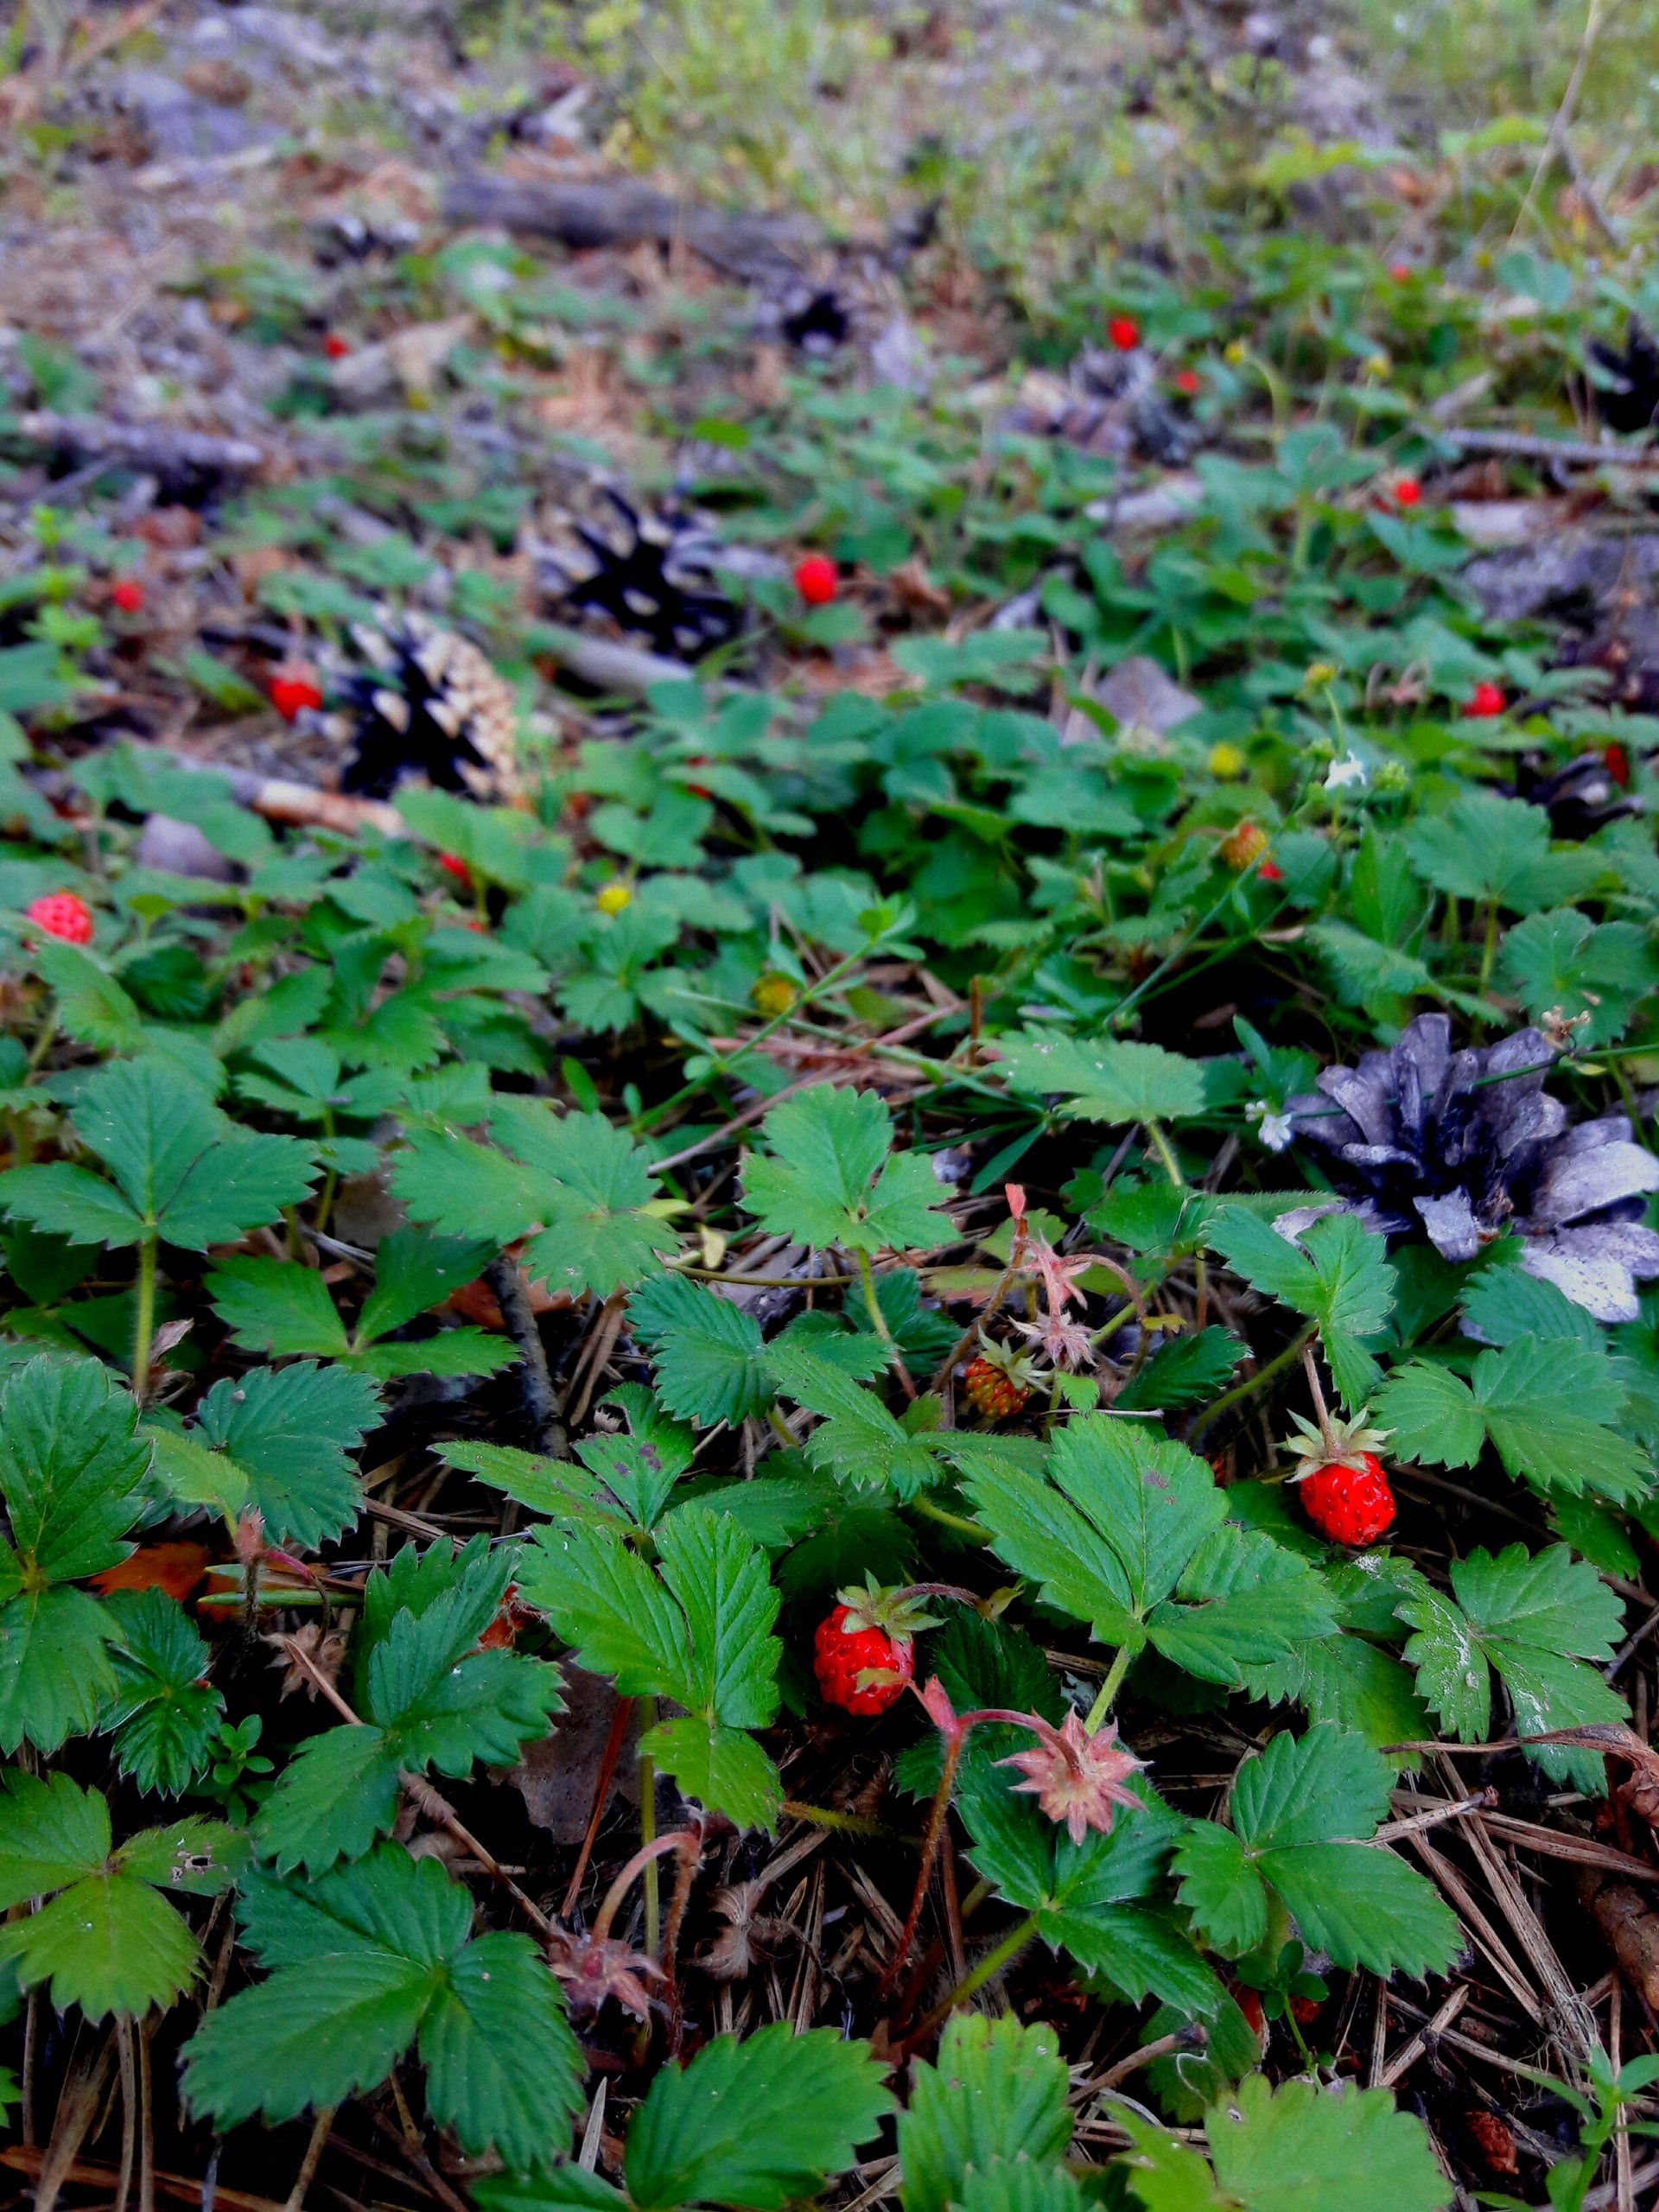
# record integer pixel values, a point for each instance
(832, 1178)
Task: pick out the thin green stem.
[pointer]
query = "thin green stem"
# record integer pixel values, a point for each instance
(144, 1331)
(1275, 1367)
(946, 1520)
(989, 1968)
(879, 1323)
(1161, 1144)
(1109, 1689)
(1489, 950)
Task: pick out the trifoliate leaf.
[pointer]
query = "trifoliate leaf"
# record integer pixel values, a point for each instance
(1534, 1619)
(106, 1941)
(701, 1635)
(831, 1177)
(289, 1430)
(996, 2096)
(590, 1183)
(71, 1467)
(1563, 961)
(856, 1440)
(706, 1350)
(1336, 1272)
(1301, 1813)
(1544, 1403)
(181, 1169)
(754, 2124)
(1101, 1900)
(1105, 1079)
(365, 1960)
(166, 1713)
(1497, 850)
(1127, 1534)
(434, 1700)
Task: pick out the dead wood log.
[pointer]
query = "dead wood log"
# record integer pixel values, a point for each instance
(622, 213)
(178, 457)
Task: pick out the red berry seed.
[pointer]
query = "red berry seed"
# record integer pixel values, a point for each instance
(61, 915)
(816, 579)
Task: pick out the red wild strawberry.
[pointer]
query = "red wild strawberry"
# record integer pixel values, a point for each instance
(999, 1381)
(453, 865)
(1307, 2009)
(128, 596)
(1617, 762)
(816, 579)
(1401, 272)
(1340, 1480)
(1188, 382)
(293, 689)
(1488, 699)
(61, 915)
(1351, 1505)
(335, 346)
(1124, 332)
(1270, 871)
(864, 1653)
(1406, 493)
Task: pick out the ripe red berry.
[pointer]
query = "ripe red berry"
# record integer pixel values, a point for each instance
(1351, 1505)
(452, 865)
(816, 579)
(1188, 381)
(992, 1391)
(1407, 492)
(1124, 332)
(128, 596)
(1617, 762)
(335, 346)
(841, 1656)
(1307, 2009)
(291, 694)
(1488, 700)
(1401, 272)
(1243, 847)
(61, 914)
(1270, 871)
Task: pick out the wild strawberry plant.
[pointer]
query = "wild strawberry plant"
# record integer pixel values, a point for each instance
(1042, 1311)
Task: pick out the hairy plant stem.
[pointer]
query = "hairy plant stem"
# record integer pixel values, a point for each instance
(1274, 1368)
(1161, 1144)
(954, 1741)
(989, 1968)
(959, 1522)
(128, 2110)
(648, 1831)
(1108, 1690)
(143, 1335)
(879, 1323)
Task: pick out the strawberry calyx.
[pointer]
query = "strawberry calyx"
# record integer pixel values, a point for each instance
(900, 1612)
(1333, 1442)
